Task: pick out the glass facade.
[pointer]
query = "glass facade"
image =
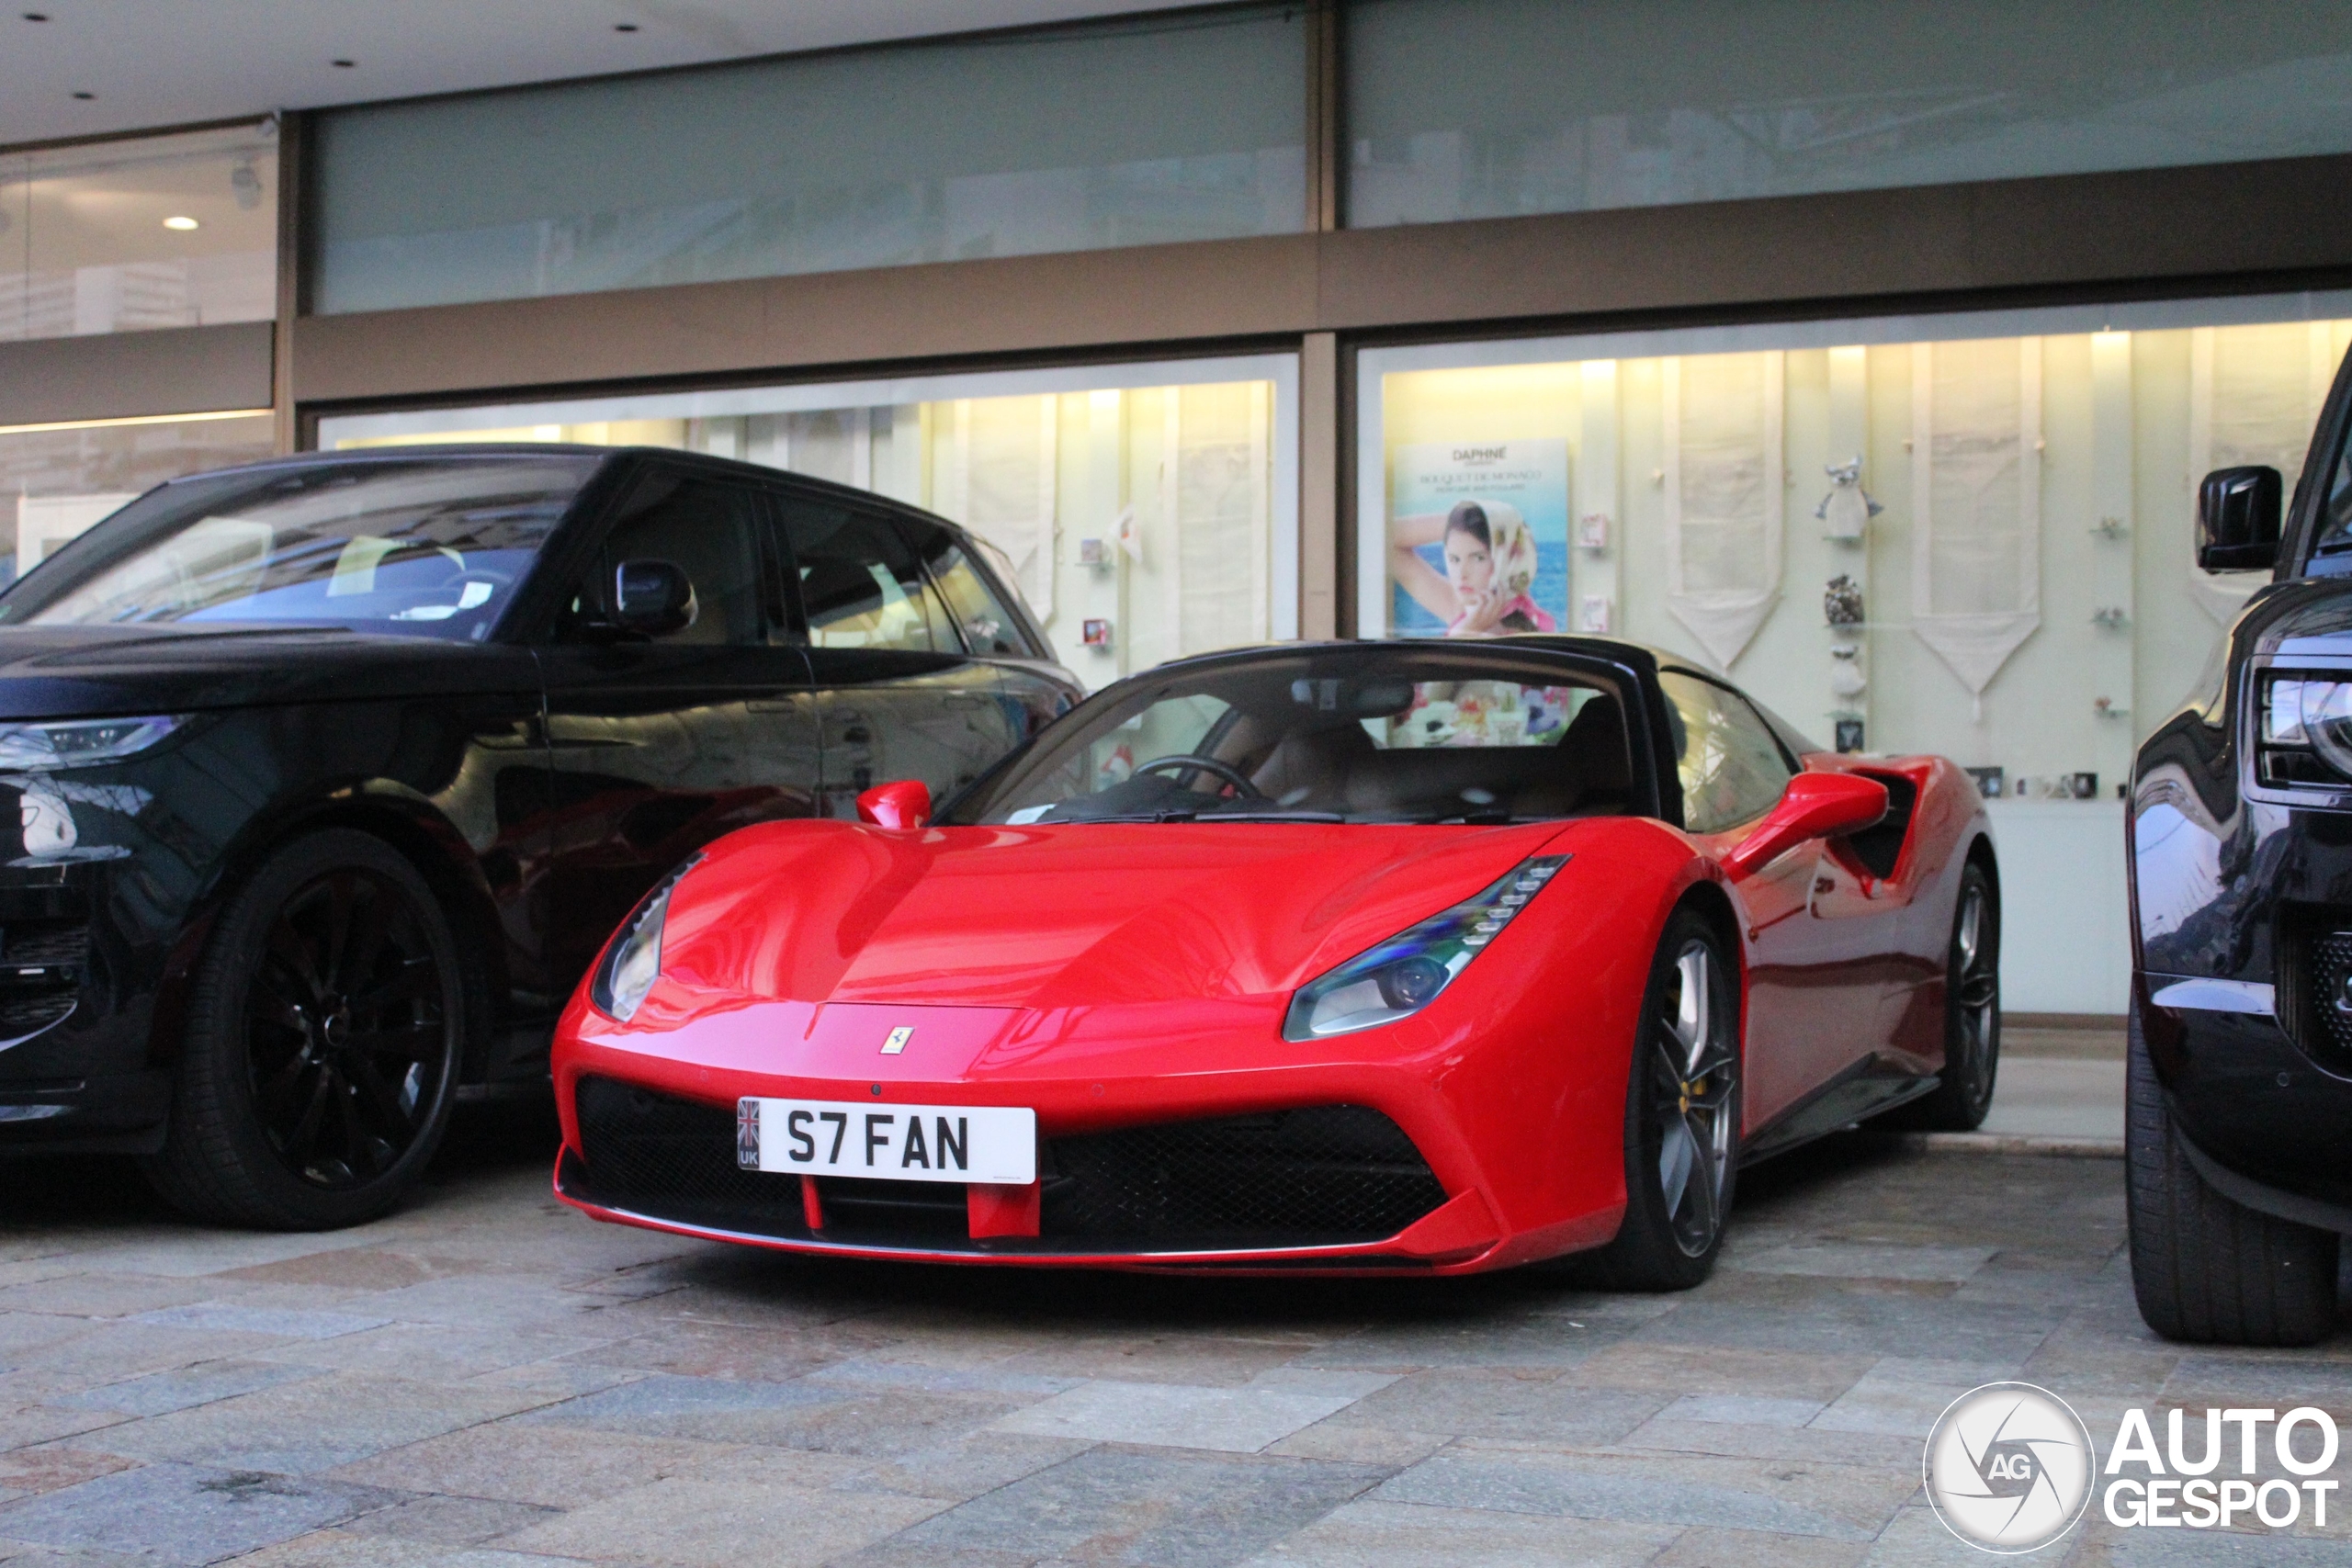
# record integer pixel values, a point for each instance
(1968, 535)
(155, 231)
(56, 482)
(1145, 511)
(1179, 127)
(1488, 109)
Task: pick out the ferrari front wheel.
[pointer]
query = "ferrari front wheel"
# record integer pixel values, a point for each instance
(1682, 1115)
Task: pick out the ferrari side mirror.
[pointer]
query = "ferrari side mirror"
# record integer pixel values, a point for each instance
(903, 803)
(1815, 805)
(652, 598)
(2237, 519)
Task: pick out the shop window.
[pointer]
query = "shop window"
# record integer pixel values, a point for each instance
(58, 480)
(1143, 513)
(1183, 125)
(152, 231)
(1490, 108)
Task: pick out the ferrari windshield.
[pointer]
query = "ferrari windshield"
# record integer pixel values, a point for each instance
(431, 546)
(1380, 733)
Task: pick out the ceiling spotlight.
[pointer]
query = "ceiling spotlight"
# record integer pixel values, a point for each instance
(86, 97)
(36, 16)
(624, 26)
(181, 223)
(340, 64)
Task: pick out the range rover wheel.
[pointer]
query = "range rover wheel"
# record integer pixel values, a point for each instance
(1972, 1016)
(1681, 1117)
(2205, 1268)
(325, 1026)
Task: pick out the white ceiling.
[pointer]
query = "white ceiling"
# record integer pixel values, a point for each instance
(159, 63)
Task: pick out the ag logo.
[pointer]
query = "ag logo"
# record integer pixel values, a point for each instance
(2008, 1466)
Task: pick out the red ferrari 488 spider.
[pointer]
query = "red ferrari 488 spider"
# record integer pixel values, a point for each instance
(1364, 957)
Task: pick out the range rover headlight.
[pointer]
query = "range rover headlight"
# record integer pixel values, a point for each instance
(633, 963)
(49, 744)
(1405, 974)
(2306, 730)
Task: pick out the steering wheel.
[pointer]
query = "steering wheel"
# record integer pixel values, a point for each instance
(1185, 763)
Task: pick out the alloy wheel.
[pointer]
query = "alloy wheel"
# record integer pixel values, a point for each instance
(348, 1038)
(1976, 989)
(1694, 1071)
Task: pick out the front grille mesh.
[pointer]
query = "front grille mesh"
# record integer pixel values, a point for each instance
(2326, 1032)
(1323, 1176)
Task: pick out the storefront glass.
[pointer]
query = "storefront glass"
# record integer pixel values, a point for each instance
(1181, 125)
(1147, 511)
(1966, 534)
(1487, 108)
(56, 481)
(155, 231)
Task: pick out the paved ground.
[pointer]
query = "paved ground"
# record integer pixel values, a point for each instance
(2059, 1083)
(488, 1380)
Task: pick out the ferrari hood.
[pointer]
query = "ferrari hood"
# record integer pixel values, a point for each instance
(1073, 916)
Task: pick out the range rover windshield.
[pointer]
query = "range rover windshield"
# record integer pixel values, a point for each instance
(1380, 733)
(431, 546)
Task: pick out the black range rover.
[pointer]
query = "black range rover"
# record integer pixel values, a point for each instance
(333, 773)
(2240, 1081)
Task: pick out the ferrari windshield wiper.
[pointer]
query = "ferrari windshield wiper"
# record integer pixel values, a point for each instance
(1188, 816)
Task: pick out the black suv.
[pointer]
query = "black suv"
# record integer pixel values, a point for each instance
(2240, 834)
(334, 774)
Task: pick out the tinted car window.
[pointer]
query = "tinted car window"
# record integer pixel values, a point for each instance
(1732, 769)
(861, 585)
(1367, 734)
(430, 547)
(707, 529)
(988, 627)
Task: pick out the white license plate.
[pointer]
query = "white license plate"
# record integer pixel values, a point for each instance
(887, 1142)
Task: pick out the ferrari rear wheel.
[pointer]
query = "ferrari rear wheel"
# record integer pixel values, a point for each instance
(1681, 1116)
(1972, 1016)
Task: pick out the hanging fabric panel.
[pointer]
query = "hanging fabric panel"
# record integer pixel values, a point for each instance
(1221, 502)
(1724, 496)
(1976, 502)
(1006, 449)
(2254, 394)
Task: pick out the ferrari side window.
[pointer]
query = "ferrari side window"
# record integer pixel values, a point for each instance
(1732, 770)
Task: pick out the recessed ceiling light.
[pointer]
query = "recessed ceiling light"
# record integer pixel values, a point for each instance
(181, 223)
(36, 16)
(342, 64)
(86, 97)
(624, 26)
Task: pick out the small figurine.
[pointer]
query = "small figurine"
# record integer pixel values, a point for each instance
(1848, 507)
(1843, 601)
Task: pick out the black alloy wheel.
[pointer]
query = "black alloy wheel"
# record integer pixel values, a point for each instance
(1963, 1094)
(326, 1029)
(1681, 1116)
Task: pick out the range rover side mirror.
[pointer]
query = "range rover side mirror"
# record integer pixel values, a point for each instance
(902, 803)
(1815, 805)
(652, 598)
(2237, 519)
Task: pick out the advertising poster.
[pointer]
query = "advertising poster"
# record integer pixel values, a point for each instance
(1478, 538)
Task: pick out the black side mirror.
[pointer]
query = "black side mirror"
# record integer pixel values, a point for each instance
(2237, 519)
(654, 598)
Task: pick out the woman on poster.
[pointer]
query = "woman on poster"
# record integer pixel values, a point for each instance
(1489, 567)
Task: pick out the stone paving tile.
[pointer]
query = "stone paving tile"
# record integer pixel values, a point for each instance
(1720, 1368)
(1742, 1410)
(358, 1269)
(430, 1351)
(872, 1372)
(1707, 1547)
(1734, 1439)
(21, 1429)
(515, 1461)
(1784, 1496)
(351, 1548)
(728, 1350)
(183, 1513)
(284, 1323)
(1902, 1395)
(108, 1352)
(716, 1410)
(1411, 1535)
(960, 1468)
(1849, 1261)
(1530, 1341)
(1497, 1403)
(1361, 1445)
(450, 1521)
(24, 1472)
(104, 1295)
(1230, 1420)
(184, 1388)
(298, 1428)
(1153, 1509)
(884, 1426)
(687, 1523)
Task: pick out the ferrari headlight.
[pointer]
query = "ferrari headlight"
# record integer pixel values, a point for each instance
(2306, 730)
(1405, 973)
(47, 745)
(634, 960)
